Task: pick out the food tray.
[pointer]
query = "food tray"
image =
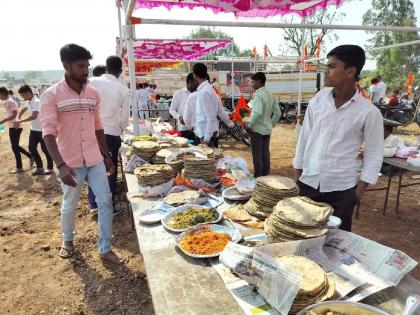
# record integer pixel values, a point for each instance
(235, 236)
(165, 220)
(232, 193)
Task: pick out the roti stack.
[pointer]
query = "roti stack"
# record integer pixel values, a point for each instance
(238, 214)
(214, 153)
(160, 156)
(297, 218)
(268, 191)
(145, 149)
(316, 285)
(153, 175)
(200, 168)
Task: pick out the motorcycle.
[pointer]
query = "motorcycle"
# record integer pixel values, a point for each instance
(288, 111)
(238, 132)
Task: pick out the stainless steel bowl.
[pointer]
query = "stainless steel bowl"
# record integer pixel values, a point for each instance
(348, 308)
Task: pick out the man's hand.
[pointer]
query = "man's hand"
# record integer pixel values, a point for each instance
(361, 189)
(181, 120)
(298, 174)
(205, 143)
(109, 166)
(67, 176)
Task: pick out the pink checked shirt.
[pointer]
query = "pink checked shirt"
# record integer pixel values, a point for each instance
(73, 119)
(11, 106)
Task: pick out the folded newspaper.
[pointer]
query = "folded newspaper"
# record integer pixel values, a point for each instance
(360, 268)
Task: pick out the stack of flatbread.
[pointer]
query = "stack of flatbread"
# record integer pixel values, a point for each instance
(160, 156)
(145, 149)
(316, 285)
(297, 218)
(214, 153)
(238, 214)
(200, 168)
(181, 142)
(268, 191)
(183, 197)
(153, 175)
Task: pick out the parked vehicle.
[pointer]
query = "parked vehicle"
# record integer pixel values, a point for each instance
(288, 111)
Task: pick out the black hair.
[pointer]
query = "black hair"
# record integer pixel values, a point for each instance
(396, 91)
(4, 91)
(72, 53)
(25, 89)
(351, 55)
(389, 128)
(259, 76)
(114, 64)
(141, 85)
(10, 92)
(207, 77)
(99, 70)
(200, 70)
(374, 81)
(190, 77)
(378, 77)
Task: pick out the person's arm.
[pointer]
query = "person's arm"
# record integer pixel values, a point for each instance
(302, 141)
(373, 154)
(125, 110)
(13, 116)
(32, 117)
(210, 112)
(256, 111)
(224, 116)
(173, 109)
(275, 112)
(21, 112)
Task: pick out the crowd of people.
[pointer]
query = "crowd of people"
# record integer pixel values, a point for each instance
(78, 125)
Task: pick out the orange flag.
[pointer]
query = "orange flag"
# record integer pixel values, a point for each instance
(410, 82)
(236, 116)
(254, 52)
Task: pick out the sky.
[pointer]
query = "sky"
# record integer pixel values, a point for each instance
(34, 31)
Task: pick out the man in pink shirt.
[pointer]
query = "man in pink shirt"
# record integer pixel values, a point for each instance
(15, 130)
(73, 133)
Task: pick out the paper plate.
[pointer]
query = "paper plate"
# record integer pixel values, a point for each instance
(232, 193)
(333, 222)
(166, 219)
(234, 234)
(151, 216)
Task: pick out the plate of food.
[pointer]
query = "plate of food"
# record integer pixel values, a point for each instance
(206, 240)
(180, 196)
(232, 193)
(188, 216)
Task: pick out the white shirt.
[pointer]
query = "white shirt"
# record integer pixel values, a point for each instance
(178, 103)
(382, 89)
(330, 139)
(142, 98)
(114, 103)
(208, 103)
(33, 106)
(189, 111)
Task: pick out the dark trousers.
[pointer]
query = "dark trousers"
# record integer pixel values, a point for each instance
(343, 202)
(35, 138)
(189, 134)
(260, 146)
(14, 136)
(214, 140)
(114, 144)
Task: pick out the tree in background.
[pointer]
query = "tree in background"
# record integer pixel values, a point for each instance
(394, 64)
(293, 36)
(32, 76)
(212, 32)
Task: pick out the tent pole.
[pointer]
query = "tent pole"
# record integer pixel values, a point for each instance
(129, 35)
(302, 58)
(119, 19)
(232, 74)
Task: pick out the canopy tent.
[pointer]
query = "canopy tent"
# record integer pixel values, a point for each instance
(177, 49)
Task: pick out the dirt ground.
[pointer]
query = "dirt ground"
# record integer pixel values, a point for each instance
(34, 280)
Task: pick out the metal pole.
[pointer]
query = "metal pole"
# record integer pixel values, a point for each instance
(118, 3)
(232, 74)
(302, 58)
(283, 25)
(129, 35)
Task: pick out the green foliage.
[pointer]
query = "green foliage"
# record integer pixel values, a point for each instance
(32, 76)
(212, 32)
(394, 64)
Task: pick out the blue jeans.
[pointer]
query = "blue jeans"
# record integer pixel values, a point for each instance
(97, 179)
(114, 144)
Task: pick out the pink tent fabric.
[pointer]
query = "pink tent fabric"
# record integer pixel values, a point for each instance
(246, 8)
(178, 49)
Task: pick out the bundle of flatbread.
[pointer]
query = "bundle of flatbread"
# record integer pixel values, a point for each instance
(153, 175)
(268, 191)
(200, 168)
(145, 149)
(238, 214)
(297, 218)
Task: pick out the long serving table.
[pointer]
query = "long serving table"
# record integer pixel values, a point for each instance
(183, 285)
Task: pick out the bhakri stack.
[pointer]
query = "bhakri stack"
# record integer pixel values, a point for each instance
(238, 214)
(145, 149)
(268, 191)
(200, 168)
(316, 285)
(153, 175)
(214, 153)
(297, 218)
(160, 156)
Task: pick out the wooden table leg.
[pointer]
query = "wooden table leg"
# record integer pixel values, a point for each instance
(399, 191)
(387, 191)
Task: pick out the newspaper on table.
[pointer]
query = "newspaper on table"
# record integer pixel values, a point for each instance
(360, 268)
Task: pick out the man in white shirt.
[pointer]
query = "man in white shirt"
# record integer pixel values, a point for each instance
(338, 120)
(208, 107)
(114, 112)
(178, 105)
(143, 101)
(382, 87)
(35, 135)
